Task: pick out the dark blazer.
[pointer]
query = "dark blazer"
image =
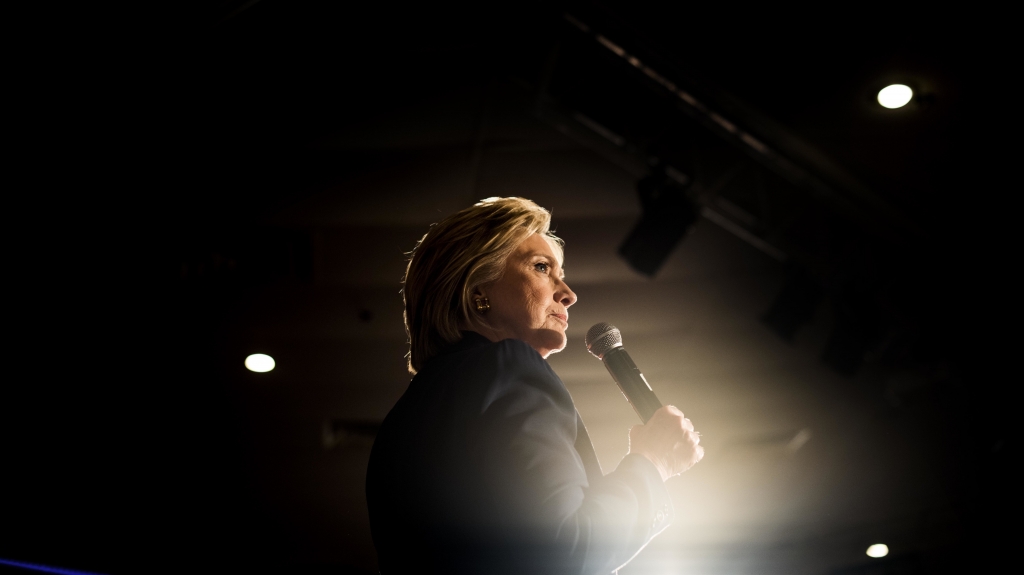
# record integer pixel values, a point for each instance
(484, 466)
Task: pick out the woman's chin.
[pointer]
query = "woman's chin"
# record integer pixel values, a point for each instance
(549, 341)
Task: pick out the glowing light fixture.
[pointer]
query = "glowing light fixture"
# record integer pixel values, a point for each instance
(260, 363)
(895, 96)
(878, 550)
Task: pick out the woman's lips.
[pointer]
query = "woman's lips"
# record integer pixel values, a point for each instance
(564, 318)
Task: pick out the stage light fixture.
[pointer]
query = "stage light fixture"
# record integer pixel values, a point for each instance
(878, 550)
(667, 216)
(260, 363)
(895, 96)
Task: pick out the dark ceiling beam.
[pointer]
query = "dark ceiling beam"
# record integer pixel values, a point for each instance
(613, 148)
(637, 163)
(773, 147)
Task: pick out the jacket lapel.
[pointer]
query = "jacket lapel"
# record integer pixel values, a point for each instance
(585, 448)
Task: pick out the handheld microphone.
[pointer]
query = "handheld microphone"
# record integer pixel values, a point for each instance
(605, 342)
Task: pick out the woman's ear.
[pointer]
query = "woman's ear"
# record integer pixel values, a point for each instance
(478, 293)
(480, 301)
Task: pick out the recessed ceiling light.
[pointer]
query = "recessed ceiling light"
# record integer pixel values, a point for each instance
(260, 363)
(878, 550)
(895, 96)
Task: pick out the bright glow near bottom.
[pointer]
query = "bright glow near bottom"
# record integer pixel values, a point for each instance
(259, 363)
(878, 550)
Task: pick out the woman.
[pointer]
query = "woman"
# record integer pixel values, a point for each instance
(484, 465)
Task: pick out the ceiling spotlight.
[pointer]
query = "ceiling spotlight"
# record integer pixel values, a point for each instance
(895, 96)
(878, 550)
(259, 363)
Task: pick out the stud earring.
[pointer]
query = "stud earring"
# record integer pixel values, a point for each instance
(482, 304)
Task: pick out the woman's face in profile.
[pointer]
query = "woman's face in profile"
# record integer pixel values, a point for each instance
(531, 301)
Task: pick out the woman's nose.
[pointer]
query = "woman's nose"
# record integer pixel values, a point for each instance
(564, 295)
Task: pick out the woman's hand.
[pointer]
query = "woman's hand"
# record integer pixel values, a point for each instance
(668, 440)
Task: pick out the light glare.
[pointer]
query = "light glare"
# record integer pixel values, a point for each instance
(878, 550)
(260, 363)
(895, 96)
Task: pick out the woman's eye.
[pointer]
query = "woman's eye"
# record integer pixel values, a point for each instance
(541, 267)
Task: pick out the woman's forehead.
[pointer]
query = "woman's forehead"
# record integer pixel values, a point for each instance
(538, 245)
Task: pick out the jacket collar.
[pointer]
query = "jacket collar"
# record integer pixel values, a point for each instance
(470, 340)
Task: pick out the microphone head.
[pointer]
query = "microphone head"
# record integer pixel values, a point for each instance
(601, 338)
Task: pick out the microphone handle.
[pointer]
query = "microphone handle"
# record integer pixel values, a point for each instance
(632, 383)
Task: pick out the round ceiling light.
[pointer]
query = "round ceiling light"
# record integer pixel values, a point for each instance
(895, 96)
(260, 363)
(878, 550)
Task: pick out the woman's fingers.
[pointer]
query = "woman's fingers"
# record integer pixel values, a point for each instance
(674, 413)
(686, 454)
(690, 442)
(693, 437)
(669, 410)
(668, 440)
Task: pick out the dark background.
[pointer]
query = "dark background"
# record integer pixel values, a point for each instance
(200, 183)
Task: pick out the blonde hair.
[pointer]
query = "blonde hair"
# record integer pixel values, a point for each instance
(464, 251)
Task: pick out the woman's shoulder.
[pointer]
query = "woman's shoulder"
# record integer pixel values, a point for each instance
(474, 345)
(507, 353)
(518, 350)
(508, 360)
